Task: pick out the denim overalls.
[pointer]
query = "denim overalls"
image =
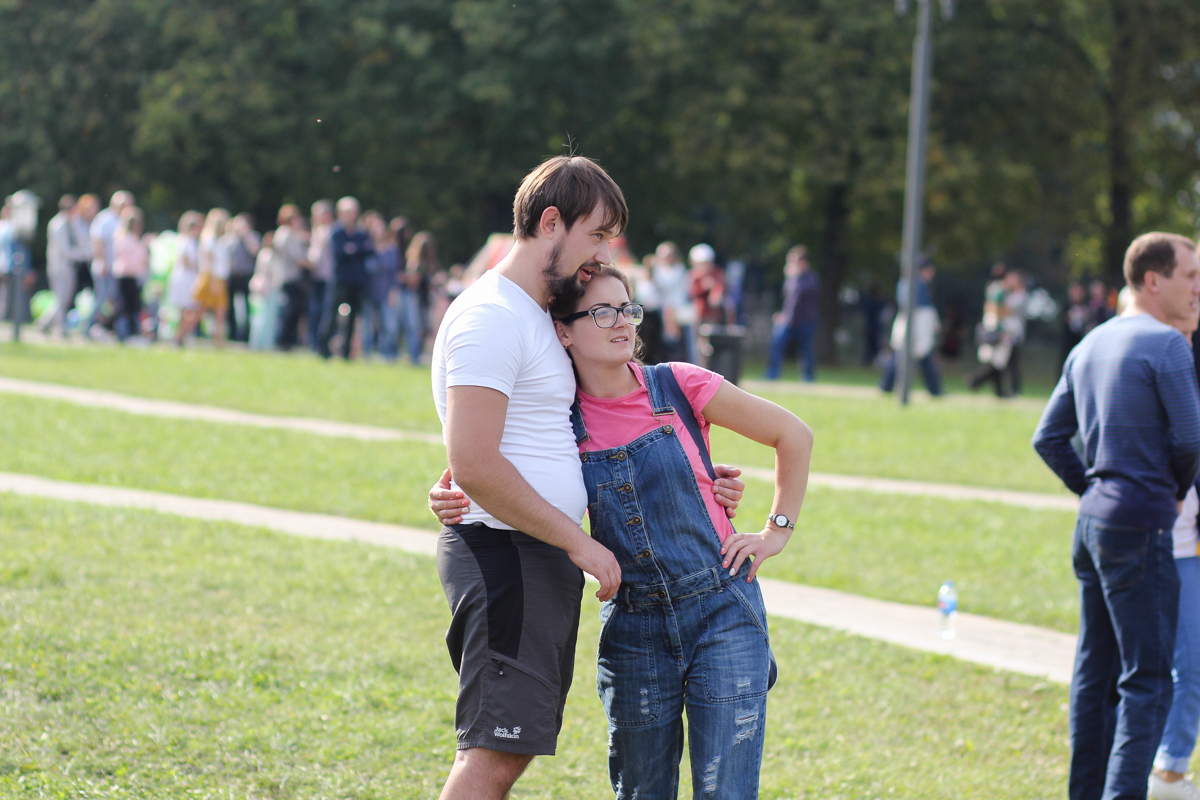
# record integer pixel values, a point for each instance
(681, 632)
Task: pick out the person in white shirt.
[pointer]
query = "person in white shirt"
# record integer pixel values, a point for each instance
(670, 275)
(185, 273)
(212, 290)
(64, 248)
(103, 229)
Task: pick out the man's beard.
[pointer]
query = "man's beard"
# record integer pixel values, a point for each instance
(556, 284)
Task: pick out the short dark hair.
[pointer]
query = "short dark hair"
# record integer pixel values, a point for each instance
(575, 185)
(1153, 252)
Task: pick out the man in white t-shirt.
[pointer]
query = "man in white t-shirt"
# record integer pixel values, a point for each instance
(503, 387)
(103, 229)
(510, 562)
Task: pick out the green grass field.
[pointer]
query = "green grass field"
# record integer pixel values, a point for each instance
(978, 444)
(148, 657)
(1009, 562)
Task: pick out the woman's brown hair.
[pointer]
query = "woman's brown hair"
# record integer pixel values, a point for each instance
(566, 302)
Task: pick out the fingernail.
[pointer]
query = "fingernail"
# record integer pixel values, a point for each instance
(732, 572)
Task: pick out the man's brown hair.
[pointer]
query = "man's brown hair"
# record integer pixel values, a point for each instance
(1153, 252)
(575, 185)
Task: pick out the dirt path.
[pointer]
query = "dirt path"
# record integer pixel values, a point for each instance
(982, 640)
(171, 409)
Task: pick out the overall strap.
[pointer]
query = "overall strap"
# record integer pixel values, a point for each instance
(577, 426)
(660, 404)
(664, 378)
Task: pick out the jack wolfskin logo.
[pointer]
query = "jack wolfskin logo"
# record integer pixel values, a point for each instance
(502, 733)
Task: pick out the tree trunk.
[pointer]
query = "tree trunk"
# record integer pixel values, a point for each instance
(1120, 163)
(833, 269)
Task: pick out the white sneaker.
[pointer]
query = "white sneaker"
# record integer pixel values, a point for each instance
(1179, 790)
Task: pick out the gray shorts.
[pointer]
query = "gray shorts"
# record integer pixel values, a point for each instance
(515, 605)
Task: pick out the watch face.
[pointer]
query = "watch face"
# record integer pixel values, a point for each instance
(780, 520)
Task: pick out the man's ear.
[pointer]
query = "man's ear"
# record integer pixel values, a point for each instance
(549, 222)
(1150, 283)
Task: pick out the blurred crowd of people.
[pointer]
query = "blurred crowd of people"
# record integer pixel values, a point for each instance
(338, 278)
(682, 302)
(355, 283)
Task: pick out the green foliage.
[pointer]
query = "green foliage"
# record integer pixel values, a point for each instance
(1059, 127)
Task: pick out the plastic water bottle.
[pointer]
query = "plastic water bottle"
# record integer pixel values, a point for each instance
(947, 603)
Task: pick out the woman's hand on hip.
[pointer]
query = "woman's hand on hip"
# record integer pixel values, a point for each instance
(762, 545)
(447, 504)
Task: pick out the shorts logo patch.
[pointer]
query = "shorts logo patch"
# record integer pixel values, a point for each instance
(502, 733)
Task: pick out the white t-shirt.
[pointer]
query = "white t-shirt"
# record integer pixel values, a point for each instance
(1186, 534)
(215, 254)
(104, 227)
(495, 335)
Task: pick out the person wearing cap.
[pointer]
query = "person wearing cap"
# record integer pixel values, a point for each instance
(706, 285)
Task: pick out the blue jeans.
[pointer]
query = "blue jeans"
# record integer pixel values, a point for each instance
(805, 335)
(318, 307)
(381, 329)
(104, 291)
(1179, 735)
(708, 654)
(929, 373)
(413, 322)
(1121, 690)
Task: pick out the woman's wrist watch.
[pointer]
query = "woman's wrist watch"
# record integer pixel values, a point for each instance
(781, 521)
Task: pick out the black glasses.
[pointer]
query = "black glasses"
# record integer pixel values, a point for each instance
(606, 316)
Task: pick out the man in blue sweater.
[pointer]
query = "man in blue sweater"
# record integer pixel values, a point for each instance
(1129, 392)
(352, 246)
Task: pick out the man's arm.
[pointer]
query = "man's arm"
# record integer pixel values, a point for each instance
(474, 426)
(1180, 397)
(1052, 439)
(80, 251)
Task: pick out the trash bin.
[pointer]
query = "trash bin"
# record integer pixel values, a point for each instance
(721, 346)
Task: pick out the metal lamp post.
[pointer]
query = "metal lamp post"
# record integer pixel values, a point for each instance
(914, 179)
(24, 208)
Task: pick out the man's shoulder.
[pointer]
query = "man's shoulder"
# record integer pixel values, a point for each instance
(1150, 333)
(483, 301)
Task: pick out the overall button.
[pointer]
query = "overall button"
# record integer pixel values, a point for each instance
(635, 521)
(583, 456)
(644, 554)
(626, 487)
(620, 455)
(668, 429)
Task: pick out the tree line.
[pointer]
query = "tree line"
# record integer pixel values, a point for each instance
(1059, 128)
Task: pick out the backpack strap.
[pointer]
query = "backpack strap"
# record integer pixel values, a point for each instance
(662, 375)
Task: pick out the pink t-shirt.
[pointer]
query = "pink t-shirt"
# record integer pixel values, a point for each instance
(618, 421)
(131, 257)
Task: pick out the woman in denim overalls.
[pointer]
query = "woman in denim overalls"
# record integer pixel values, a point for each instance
(687, 628)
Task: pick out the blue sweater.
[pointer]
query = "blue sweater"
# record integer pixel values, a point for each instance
(1129, 389)
(350, 252)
